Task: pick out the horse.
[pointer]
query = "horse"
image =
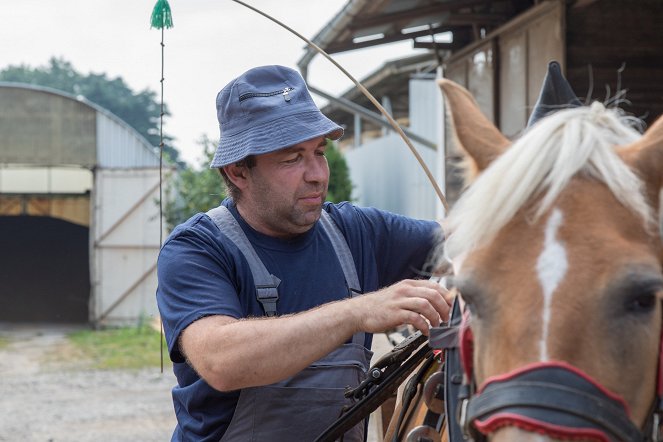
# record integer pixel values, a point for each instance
(557, 254)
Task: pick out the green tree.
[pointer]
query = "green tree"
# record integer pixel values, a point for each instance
(194, 189)
(340, 186)
(140, 110)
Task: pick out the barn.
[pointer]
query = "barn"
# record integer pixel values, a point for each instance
(79, 214)
(499, 50)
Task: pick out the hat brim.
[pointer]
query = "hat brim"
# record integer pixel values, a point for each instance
(274, 135)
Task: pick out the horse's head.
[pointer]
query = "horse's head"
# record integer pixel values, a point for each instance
(558, 257)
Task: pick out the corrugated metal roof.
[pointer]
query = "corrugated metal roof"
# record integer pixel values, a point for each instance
(363, 23)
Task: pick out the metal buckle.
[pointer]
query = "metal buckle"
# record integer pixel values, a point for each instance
(462, 419)
(267, 295)
(656, 428)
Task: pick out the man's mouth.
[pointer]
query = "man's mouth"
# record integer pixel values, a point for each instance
(314, 198)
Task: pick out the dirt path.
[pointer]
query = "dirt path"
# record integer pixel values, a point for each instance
(47, 393)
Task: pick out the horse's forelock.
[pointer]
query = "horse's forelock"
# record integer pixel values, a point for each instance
(540, 164)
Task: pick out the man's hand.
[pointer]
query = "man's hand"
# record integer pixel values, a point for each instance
(420, 303)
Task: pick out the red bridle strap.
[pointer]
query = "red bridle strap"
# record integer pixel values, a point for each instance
(466, 340)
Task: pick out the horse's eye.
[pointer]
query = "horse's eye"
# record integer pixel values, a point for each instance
(642, 294)
(641, 303)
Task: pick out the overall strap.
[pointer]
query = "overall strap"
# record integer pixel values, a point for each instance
(266, 283)
(347, 262)
(342, 252)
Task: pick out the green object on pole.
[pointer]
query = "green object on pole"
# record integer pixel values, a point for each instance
(161, 15)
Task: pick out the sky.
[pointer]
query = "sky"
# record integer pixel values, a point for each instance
(212, 42)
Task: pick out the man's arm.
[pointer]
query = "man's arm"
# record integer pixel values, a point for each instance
(231, 354)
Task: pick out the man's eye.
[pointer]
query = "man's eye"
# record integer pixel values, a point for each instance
(292, 160)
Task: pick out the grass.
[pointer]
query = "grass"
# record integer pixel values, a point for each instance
(120, 348)
(3, 342)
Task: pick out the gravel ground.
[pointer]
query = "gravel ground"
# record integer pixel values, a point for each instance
(48, 394)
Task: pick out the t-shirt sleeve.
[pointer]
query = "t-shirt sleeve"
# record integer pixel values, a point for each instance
(402, 246)
(194, 282)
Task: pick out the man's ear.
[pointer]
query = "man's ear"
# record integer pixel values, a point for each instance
(237, 174)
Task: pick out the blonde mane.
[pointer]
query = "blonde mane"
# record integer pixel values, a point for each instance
(540, 164)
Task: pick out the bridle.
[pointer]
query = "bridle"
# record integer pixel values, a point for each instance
(550, 398)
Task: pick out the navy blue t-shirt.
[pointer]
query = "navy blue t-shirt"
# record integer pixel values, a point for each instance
(202, 273)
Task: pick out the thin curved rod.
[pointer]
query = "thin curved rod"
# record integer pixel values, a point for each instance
(368, 95)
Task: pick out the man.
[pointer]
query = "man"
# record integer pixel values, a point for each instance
(261, 297)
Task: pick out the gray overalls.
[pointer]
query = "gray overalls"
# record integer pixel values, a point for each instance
(301, 407)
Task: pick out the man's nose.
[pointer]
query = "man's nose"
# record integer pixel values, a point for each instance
(317, 169)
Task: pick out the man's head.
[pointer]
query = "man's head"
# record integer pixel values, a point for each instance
(266, 109)
(271, 151)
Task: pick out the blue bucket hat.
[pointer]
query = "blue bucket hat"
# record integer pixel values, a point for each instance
(266, 109)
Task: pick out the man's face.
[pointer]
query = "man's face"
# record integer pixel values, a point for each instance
(286, 189)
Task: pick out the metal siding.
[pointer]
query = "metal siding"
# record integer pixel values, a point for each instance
(480, 79)
(457, 72)
(545, 43)
(385, 173)
(513, 83)
(372, 172)
(426, 120)
(126, 245)
(525, 53)
(424, 100)
(387, 176)
(120, 147)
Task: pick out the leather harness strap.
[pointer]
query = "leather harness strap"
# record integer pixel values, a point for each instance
(539, 401)
(384, 378)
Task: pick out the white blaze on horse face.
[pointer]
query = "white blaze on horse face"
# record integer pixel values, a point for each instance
(551, 268)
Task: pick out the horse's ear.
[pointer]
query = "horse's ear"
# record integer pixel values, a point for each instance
(646, 157)
(477, 135)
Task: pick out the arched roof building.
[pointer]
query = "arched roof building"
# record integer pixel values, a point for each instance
(79, 215)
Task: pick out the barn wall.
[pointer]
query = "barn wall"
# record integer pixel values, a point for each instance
(71, 208)
(525, 52)
(386, 175)
(504, 73)
(384, 172)
(66, 164)
(607, 35)
(125, 245)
